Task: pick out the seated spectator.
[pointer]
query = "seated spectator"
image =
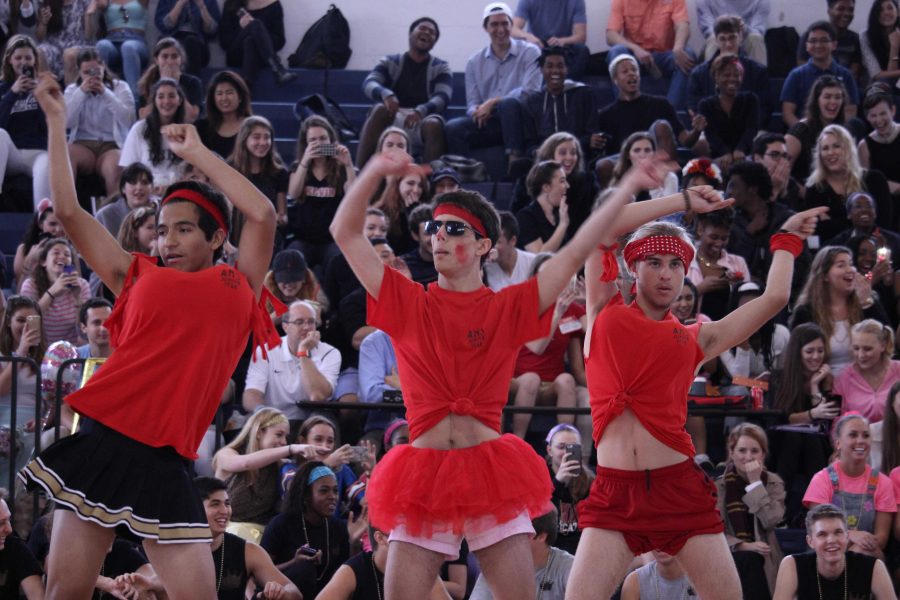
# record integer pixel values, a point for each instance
(633, 111)
(830, 567)
(251, 465)
(803, 393)
(245, 560)
(169, 59)
(837, 174)
(23, 129)
(761, 353)
(656, 33)
(135, 188)
(20, 335)
(847, 50)
(561, 105)
(420, 260)
(379, 382)
(256, 158)
(544, 223)
(124, 48)
(95, 139)
(227, 105)
(493, 76)
(862, 212)
(91, 317)
(836, 297)
(555, 24)
(641, 147)
(44, 226)
(732, 116)
(61, 31)
(145, 142)
(880, 42)
(302, 368)
(770, 150)
(661, 573)
(59, 290)
(821, 43)
(412, 90)
(20, 572)
(20, 18)
(864, 495)
(138, 231)
(252, 37)
(874, 262)
(339, 278)
(865, 384)
(551, 564)
(565, 149)
(307, 522)
(880, 148)
(825, 106)
(291, 280)
(444, 180)
(713, 269)
(193, 24)
(317, 183)
(697, 171)
(399, 198)
(571, 482)
(686, 305)
(753, 17)
(751, 502)
(728, 37)
(885, 455)
(540, 377)
(512, 265)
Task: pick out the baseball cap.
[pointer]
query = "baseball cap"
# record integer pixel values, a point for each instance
(289, 265)
(444, 173)
(495, 8)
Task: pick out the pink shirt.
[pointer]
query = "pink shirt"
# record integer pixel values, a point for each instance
(733, 262)
(648, 23)
(60, 320)
(895, 480)
(859, 395)
(820, 488)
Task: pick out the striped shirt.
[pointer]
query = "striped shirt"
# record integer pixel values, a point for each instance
(60, 320)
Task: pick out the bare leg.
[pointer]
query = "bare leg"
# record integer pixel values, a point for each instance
(411, 571)
(379, 120)
(527, 387)
(72, 568)
(83, 160)
(564, 387)
(186, 570)
(601, 563)
(507, 567)
(583, 422)
(696, 428)
(70, 68)
(710, 567)
(433, 136)
(109, 169)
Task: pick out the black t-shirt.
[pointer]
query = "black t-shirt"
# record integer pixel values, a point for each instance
(340, 279)
(223, 146)
(369, 580)
(310, 217)
(838, 220)
(411, 87)
(271, 185)
(858, 581)
(533, 224)
(622, 118)
(422, 270)
(16, 564)
(231, 568)
(568, 531)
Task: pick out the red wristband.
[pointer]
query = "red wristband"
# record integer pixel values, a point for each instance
(610, 264)
(786, 241)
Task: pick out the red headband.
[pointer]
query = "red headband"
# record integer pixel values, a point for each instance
(458, 211)
(201, 201)
(659, 245)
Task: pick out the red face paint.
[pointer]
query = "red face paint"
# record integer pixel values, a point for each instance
(462, 255)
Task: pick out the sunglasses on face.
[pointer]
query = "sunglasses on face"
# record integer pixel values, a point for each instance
(453, 228)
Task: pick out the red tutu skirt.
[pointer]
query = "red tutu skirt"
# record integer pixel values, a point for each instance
(427, 490)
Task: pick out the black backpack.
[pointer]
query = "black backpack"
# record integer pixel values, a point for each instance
(322, 105)
(781, 48)
(326, 45)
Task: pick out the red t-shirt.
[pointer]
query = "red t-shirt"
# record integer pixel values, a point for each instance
(645, 365)
(552, 363)
(456, 350)
(178, 338)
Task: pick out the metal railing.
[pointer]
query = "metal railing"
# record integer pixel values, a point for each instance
(16, 363)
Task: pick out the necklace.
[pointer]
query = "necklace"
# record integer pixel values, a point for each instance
(819, 581)
(684, 592)
(706, 262)
(375, 575)
(327, 544)
(221, 564)
(545, 581)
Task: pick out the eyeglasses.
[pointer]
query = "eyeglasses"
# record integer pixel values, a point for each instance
(300, 322)
(775, 155)
(453, 228)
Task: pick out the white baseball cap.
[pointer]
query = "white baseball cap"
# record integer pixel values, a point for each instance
(497, 8)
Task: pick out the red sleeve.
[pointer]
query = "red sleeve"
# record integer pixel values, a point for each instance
(616, 20)
(397, 305)
(519, 310)
(679, 12)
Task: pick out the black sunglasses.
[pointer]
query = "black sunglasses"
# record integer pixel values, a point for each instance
(453, 228)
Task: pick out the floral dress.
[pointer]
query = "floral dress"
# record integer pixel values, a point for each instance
(70, 36)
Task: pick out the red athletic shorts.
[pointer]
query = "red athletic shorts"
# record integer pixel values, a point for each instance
(655, 510)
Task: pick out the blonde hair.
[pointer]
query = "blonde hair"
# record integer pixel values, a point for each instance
(884, 334)
(661, 228)
(247, 441)
(855, 175)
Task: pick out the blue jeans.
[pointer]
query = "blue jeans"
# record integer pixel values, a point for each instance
(678, 79)
(125, 51)
(503, 127)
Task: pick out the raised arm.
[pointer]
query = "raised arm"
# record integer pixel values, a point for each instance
(95, 244)
(258, 233)
(740, 324)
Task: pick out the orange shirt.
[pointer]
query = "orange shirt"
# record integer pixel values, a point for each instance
(456, 350)
(648, 23)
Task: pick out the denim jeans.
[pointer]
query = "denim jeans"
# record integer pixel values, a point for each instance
(503, 127)
(125, 51)
(677, 95)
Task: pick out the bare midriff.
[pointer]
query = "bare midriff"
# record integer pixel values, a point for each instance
(628, 446)
(456, 431)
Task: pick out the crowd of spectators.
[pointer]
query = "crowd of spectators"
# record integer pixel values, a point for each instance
(292, 477)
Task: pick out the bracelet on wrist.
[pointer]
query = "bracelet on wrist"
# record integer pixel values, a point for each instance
(809, 412)
(49, 293)
(687, 200)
